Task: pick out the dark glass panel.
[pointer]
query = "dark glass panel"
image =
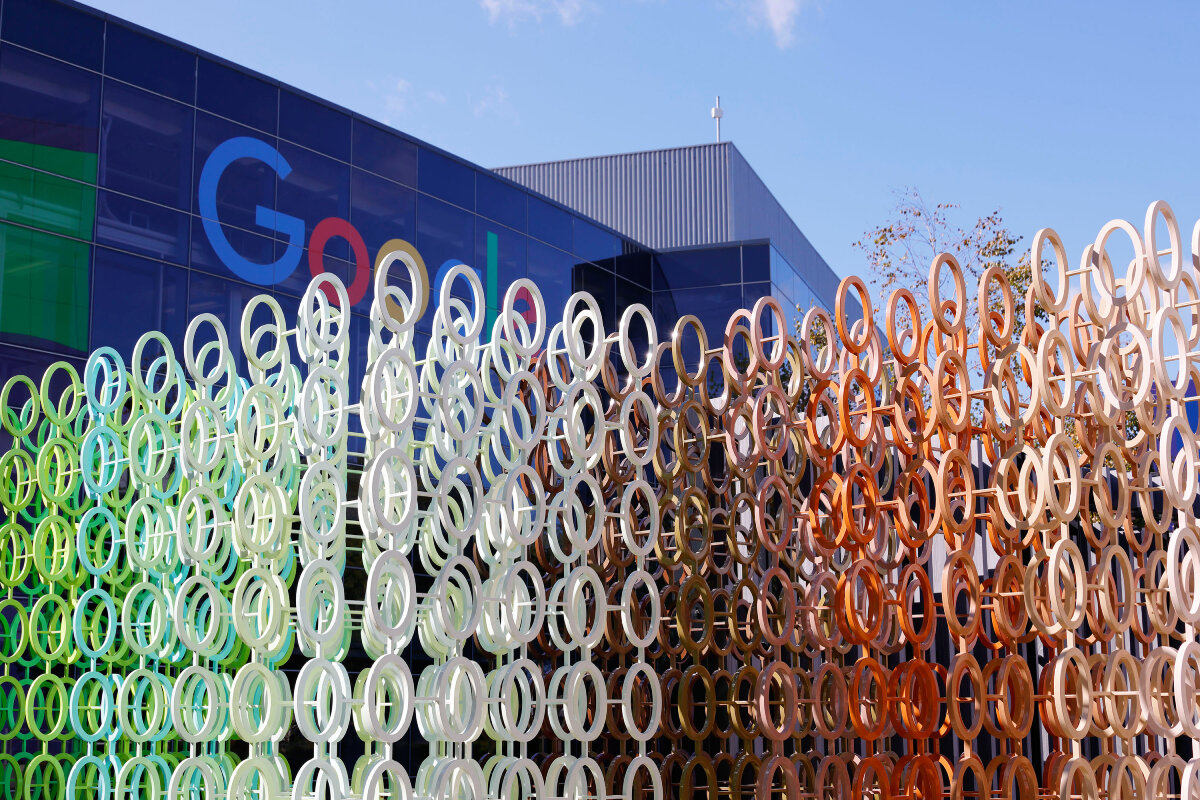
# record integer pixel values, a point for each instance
(550, 269)
(44, 300)
(593, 244)
(601, 284)
(145, 228)
(317, 187)
(444, 233)
(20, 361)
(635, 265)
(384, 153)
(751, 292)
(549, 223)
(151, 63)
(626, 295)
(56, 29)
(146, 146)
(314, 125)
(496, 199)
(131, 296)
(49, 114)
(684, 269)
(666, 313)
(46, 201)
(381, 210)
(245, 184)
(237, 96)
(756, 262)
(445, 178)
(712, 306)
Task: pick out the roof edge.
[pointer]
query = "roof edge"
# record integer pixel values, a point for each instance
(727, 144)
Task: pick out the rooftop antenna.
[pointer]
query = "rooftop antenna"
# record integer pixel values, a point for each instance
(717, 113)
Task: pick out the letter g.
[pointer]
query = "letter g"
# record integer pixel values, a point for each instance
(221, 157)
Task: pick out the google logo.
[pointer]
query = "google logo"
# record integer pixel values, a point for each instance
(293, 230)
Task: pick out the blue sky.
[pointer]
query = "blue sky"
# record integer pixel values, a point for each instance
(1059, 114)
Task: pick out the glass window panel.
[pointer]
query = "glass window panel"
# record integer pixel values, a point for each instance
(550, 268)
(43, 289)
(756, 263)
(712, 306)
(784, 297)
(21, 361)
(501, 201)
(446, 178)
(791, 312)
(131, 296)
(295, 283)
(805, 298)
(751, 292)
(316, 188)
(247, 183)
(56, 29)
(46, 201)
(594, 244)
(49, 114)
(251, 246)
(146, 146)
(601, 284)
(384, 153)
(151, 63)
(140, 227)
(635, 265)
(314, 125)
(626, 295)
(666, 313)
(684, 269)
(381, 210)
(549, 223)
(235, 95)
(444, 233)
(781, 271)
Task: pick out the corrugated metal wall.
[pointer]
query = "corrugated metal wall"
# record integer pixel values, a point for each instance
(661, 198)
(681, 197)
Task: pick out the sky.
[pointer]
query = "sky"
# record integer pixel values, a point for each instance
(1061, 115)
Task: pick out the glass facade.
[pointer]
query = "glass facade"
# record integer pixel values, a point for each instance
(109, 226)
(143, 182)
(710, 282)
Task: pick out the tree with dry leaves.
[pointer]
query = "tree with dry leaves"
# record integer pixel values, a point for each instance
(900, 251)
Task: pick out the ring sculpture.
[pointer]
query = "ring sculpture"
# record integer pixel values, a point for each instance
(903, 561)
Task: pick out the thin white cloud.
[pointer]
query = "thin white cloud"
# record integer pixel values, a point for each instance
(494, 103)
(568, 12)
(397, 99)
(778, 15)
(436, 96)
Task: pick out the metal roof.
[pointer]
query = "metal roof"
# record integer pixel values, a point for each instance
(680, 197)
